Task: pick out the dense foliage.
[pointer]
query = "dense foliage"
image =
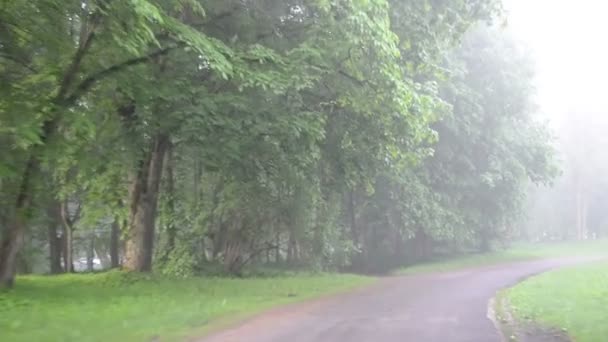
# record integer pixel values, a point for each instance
(181, 135)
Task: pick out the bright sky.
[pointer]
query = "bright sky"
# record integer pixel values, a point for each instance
(569, 39)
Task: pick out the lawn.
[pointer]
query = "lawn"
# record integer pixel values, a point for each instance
(574, 300)
(517, 252)
(119, 307)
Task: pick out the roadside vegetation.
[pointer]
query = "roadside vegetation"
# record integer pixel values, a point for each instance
(116, 306)
(571, 300)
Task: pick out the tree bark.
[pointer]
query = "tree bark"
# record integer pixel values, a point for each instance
(171, 229)
(277, 250)
(114, 244)
(91, 253)
(68, 260)
(216, 220)
(13, 235)
(143, 202)
(291, 248)
(68, 237)
(421, 246)
(53, 239)
(352, 211)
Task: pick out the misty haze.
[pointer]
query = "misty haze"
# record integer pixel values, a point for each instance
(303, 170)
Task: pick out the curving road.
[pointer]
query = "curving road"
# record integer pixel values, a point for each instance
(431, 307)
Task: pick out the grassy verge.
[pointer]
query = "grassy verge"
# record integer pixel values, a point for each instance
(120, 307)
(518, 252)
(574, 300)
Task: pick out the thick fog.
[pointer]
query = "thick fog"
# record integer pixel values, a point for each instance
(567, 40)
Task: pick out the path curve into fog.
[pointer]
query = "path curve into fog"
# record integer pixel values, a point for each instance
(438, 307)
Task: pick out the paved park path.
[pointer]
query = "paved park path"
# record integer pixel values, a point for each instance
(438, 307)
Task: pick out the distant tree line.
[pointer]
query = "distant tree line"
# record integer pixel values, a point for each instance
(575, 207)
(177, 135)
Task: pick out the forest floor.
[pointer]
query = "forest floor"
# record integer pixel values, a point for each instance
(571, 301)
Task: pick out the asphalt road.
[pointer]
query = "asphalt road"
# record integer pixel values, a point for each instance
(442, 307)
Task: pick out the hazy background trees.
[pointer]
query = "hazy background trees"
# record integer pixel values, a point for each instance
(570, 68)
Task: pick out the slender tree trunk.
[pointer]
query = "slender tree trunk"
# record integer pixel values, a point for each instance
(114, 244)
(291, 248)
(216, 220)
(68, 260)
(143, 198)
(54, 250)
(171, 229)
(220, 238)
(277, 249)
(268, 256)
(68, 238)
(352, 207)
(54, 240)
(198, 174)
(91, 253)
(421, 245)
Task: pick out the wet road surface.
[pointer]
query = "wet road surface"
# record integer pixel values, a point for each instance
(439, 307)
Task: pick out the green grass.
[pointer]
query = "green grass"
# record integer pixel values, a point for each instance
(518, 252)
(573, 299)
(121, 307)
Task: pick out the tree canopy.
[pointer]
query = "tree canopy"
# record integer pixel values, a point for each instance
(343, 134)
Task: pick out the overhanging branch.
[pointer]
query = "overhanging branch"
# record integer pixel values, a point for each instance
(90, 81)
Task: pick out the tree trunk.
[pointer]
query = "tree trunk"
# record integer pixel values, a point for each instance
(421, 246)
(277, 249)
(68, 260)
(291, 249)
(198, 174)
(171, 229)
(114, 244)
(485, 243)
(216, 220)
(91, 253)
(143, 202)
(352, 211)
(13, 235)
(54, 240)
(68, 239)
(220, 238)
